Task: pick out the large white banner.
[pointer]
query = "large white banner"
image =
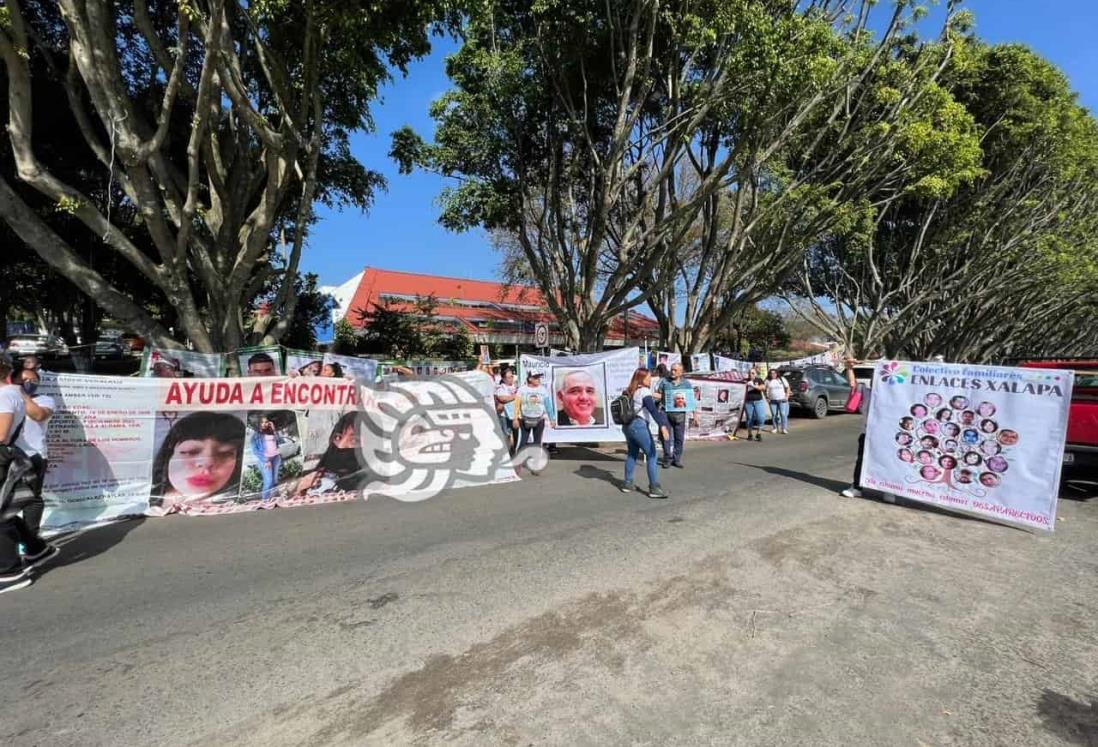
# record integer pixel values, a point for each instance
(122, 447)
(985, 440)
(579, 389)
(330, 365)
(668, 358)
(699, 363)
(732, 364)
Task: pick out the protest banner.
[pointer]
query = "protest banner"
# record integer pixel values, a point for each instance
(667, 358)
(169, 363)
(700, 363)
(132, 447)
(578, 391)
(330, 365)
(731, 364)
(820, 359)
(984, 440)
(261, 360)
(719, 407)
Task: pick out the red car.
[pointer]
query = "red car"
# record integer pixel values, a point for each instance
(1082, 432)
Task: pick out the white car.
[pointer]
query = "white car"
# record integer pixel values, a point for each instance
(44, 346)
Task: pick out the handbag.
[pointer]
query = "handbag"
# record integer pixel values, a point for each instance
(854, 401)
(530, 423)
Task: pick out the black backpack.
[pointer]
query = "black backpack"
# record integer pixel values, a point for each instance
(621, 409)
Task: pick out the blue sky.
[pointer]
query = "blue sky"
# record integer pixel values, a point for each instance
(401, 231)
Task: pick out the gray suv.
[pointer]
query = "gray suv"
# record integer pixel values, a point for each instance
(817, 389)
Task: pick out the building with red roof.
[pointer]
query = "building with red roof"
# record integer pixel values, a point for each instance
(495, 313)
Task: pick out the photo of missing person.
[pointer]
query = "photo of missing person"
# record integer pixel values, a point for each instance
(580, 396)
(933, 399)
(905, 455)
(337, 469)
(273, 456)
(302, 365)
(904, 439)
(919, 411)
(261, 363)
(1008, 437)
(199, 460)
(722, 396)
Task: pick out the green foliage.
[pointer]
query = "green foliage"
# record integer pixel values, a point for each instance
(398, 330)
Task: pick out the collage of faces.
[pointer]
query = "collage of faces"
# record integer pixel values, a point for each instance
(958, 441)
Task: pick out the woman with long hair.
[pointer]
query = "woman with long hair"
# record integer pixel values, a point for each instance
(200, 458)
(638, 437)
(778, 391)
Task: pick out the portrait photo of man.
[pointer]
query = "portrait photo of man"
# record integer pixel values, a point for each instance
(580, 396)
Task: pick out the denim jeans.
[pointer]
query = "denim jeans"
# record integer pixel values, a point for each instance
(269, 469)
(508, 427)
(531, 435)
(779, 411)
(638, 439)
(756, 414)
(672, 447)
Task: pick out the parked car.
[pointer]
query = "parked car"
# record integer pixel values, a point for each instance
(44, 346)
(1081, 450)
(109, 349)
(817, 389)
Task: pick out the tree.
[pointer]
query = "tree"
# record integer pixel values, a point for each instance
(606, 137)
(997, 268)
(313, 310)
(396, 329)
(214, 124)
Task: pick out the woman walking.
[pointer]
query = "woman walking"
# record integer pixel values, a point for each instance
(638, 436)
(778, 392)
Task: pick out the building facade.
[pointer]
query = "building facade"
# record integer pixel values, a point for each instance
(491, 313)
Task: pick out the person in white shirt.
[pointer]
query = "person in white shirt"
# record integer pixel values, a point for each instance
(13, 530)
(638, 437)
(777, 393)
(505, 406)
(32, 439)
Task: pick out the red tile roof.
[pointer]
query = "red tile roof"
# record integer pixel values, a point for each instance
(503, 298)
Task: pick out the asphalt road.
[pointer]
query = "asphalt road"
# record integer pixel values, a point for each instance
(754, 607)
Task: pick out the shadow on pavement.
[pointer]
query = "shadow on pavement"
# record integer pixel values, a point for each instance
(821, 482)
(590, 472)
(84, 545)
(582, 454)
(1072, 720)
(1078, 487)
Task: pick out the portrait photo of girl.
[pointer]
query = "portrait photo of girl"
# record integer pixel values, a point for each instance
(990, 448)
(959, 402)
(904, 439)
(273, 456)
(989, 426)
(985, 409)
(198, 460)
(907, 423)
(925, 457)
(933, 399)
(947, 462)
(972, 459)
(338, 469)
(919, 411)
(905, 455)
(951, 430)
(931, 426)
(990, 479)
(944, 414)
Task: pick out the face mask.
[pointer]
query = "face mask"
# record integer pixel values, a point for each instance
(30, 387)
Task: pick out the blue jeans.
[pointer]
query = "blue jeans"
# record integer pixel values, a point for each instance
(672, 447)
(638, 439)
(268, 469)
(779, 411)
(756, 414)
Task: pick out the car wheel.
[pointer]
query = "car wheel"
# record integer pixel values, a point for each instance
(819, 409)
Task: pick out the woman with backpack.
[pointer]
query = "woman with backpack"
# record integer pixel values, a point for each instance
(638, 436)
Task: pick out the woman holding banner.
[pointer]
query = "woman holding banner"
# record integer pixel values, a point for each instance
(855, 489)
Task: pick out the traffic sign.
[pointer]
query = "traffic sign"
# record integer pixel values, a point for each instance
(541, 335)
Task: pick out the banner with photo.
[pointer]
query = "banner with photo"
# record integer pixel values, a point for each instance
(731, 364)
(169, 363)
(120, 447)
(578, 390)
(330, 365)
(261, 360)
(667, 358)
(985, 440)
(820, 359)
(700, 363)
(719, 408)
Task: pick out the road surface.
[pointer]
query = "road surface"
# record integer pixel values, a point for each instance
(754, 607)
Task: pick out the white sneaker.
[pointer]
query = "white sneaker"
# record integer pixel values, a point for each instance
(888, 497)
(851, 492)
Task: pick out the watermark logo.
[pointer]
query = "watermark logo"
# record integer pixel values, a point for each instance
(894, 373)
(420, 437)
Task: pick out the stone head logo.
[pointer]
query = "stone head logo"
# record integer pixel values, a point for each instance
(418, 438)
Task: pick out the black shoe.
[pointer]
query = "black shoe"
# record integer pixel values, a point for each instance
(33, 561)
(758, 437)
(677, 464)
(627, 487)
(15, 582)
(657, 492)
(665, 464)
